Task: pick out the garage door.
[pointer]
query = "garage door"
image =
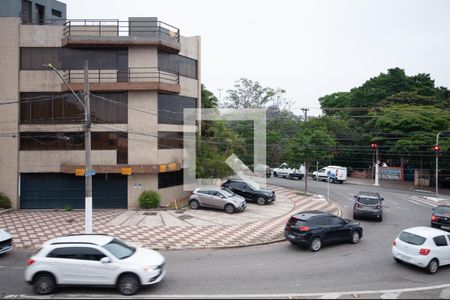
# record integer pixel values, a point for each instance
(55, 190)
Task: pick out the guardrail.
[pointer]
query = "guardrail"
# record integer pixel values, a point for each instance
(139, 28)
(123, 75)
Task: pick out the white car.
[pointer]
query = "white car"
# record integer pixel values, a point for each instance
(5, 241)
(93, 260)
(425, 247)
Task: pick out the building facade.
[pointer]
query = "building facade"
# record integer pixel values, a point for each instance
(142, 74)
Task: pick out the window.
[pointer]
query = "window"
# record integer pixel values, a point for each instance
(56, 13)
(67, 141)
(368, 201)
(170, 140)
(440, 241)
(334, 221)
(73, 59)
(411, 238)
(320, 221)
(170, 179)
(442, 210)
(82, 253)
(26, 12)
(174, 63)
(57, 108)
(171, 108)
(119, 249)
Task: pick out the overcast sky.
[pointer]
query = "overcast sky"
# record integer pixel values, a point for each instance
(309, 48)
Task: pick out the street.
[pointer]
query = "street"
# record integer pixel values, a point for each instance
(282, 269)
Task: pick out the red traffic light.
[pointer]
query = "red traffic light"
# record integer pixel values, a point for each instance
(374, 146)
(437, 148)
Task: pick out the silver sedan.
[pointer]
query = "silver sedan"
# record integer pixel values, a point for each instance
(216, 197)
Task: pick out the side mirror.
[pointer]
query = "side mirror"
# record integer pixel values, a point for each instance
(105, 260)
(354, 196)
(382, 199)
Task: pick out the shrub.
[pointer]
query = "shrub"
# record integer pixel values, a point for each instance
(4, 201)
(68, 207)
(149, 199)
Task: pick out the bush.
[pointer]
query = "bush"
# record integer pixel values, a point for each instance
(149, 199)
(4, 201)
(68, 207)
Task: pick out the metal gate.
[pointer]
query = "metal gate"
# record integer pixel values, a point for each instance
(57, 190)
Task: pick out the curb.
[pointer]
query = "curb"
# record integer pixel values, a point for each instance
(4, 211)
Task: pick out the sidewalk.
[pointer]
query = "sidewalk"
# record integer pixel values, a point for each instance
(169, 230)
(399, 185)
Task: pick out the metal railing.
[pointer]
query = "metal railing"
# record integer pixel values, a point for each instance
(130, 75)
(110, 28)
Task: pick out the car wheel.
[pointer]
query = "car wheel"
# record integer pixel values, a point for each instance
(433, 266)
(229, 208)
(128, 285)
(291, 177)
(355, 217)
(44, 284)
(194, 204)
(355, 237)
(380, 218)
(315, 245)
(330, 180)
(261, 201)
(314, 178)
(398, 260)
(275, 174)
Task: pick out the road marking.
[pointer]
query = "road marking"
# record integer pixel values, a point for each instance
(238, 296)
(445, 294)
(8, 267)
(331, 296)
(421, 202)
(392, 295)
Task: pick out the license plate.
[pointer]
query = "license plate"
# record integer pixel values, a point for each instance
(291, 236)
(445, 227)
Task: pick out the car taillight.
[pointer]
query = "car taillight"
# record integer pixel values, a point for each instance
(304, 228)
(394, 243)
(424, 251)
(357, 205)
(378, 207)
(30, 261)
(434, 218)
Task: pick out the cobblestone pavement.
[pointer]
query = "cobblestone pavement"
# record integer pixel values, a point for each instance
(174, 231)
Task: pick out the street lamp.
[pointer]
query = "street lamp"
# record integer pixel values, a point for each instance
(87, 142)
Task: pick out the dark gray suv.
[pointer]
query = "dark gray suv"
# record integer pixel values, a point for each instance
(368, 204)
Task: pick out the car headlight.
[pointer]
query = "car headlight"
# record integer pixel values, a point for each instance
(150, 268)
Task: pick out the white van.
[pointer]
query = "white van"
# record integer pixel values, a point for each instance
(334, 174)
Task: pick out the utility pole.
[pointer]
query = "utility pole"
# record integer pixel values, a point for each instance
(377, 169)
(305, 111)
(87, 149)
(437, 148)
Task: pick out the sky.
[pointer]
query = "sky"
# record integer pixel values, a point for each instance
(309, 48)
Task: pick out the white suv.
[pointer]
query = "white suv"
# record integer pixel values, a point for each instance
(97, 260)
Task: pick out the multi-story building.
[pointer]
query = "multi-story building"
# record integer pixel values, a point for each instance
(142, 73)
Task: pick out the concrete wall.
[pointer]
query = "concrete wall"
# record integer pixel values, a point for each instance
(50, 161)
(41, 35)
(139, 183)
(37, 81)
(189, 87)
(9, 87)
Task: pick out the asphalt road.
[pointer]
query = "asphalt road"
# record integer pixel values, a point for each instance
(281, 269)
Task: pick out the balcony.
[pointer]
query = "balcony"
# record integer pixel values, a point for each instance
(134, 32)
(131, 79)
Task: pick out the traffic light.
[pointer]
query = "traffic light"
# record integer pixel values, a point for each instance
(374, 146)
(437, 149)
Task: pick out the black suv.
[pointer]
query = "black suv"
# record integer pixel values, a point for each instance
(249, 191)
(441, 217)
(315, 228)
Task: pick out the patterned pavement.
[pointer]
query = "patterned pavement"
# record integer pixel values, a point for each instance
(30, 228)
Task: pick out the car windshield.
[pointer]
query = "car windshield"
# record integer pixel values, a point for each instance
(368, 201)
(411, 238)
(444, 210)
(253, 185)
(119, 249)
(227, 193)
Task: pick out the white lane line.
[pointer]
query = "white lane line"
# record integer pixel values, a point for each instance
(331, 296)
(421, 202)
(445, 294)
(238, 296)
(391, 295)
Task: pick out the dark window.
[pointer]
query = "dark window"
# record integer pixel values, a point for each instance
(56, 108)
(320, 221)
(56, 13)
(73, 59)
(442, 210)
(174, 63)
(82, 253)
(26, 12)
(334, 221)
(170, 140)
(169, 179)
(411, 238)
(171, 108)
(440, 241)
(40, 11)
(368, 201)
(67, 141)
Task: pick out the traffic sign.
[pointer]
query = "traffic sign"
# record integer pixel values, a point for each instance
(90, 172)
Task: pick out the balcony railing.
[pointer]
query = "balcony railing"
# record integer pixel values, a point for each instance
(116, 28)
(130, 75)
